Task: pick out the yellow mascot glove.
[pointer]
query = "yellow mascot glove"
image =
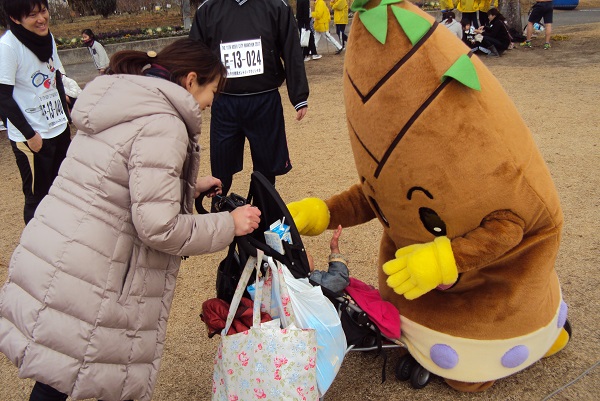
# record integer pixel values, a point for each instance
(311, 215)
(420, 268)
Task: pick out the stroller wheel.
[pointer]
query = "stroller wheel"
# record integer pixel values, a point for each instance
(419, 377)
(405, 366)
(369, 342)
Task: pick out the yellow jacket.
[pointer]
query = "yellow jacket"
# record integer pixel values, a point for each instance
(467, 6)
(321, 16)
(340, 11)
(485, 5)
(446, 4)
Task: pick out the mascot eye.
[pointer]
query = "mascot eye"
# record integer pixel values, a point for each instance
(379, 212)
(432, 222)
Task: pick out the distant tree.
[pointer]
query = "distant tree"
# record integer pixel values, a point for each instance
(81, 7)
(512, 12)
(105, 7)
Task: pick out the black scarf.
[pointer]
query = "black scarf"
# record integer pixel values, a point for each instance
(41, 46)
(158, 71)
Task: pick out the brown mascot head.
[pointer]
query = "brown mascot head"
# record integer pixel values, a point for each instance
(437, 142)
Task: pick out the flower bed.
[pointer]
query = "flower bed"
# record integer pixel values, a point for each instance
(123, 35)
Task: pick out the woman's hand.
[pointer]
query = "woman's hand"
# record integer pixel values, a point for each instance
(211, 185)
(245, 219)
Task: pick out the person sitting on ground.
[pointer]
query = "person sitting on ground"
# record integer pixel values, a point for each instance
(468, 34)
(337, 276)
(496, 38)
(96, 50)
(450, 22)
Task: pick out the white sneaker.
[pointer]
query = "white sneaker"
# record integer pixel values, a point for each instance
(316, 56)
(307, 58)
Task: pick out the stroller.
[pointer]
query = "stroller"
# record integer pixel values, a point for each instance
(362, 333)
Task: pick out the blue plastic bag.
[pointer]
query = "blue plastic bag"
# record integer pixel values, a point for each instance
(313, 310)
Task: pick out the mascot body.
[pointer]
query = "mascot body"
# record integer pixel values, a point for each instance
(471, 218)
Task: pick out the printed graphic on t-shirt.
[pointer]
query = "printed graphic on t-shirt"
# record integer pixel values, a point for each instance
(243, 58)
(52, 108)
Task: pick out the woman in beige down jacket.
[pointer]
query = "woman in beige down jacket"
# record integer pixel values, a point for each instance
(85, 308)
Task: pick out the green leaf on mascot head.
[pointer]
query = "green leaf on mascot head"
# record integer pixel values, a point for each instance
(413, 25)
(375, 20)
(359, 5)
(464, 72)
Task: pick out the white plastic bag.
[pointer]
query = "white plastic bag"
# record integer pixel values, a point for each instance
(72, 89)
(313, 310)
(304, 37)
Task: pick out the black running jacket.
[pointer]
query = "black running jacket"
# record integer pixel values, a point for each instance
(225, 21)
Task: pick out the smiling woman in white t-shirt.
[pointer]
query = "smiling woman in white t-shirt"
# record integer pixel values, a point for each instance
(32, 98)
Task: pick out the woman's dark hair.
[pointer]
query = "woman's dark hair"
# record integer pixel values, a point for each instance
(179, 58)
(89, 33)
(497, 14)
(449, 15)
(464, 22)
(19, 9)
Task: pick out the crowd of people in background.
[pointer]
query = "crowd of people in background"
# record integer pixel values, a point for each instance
(484, 29)
(492, 38)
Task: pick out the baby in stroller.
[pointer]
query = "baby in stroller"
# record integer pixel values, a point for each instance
(337, 276)
(369, 322)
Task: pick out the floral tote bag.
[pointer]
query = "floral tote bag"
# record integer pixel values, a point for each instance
(266, 362)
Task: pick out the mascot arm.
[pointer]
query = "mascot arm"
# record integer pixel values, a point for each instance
(419, 268)
(498, 233)
(312, 216)
(349, 208)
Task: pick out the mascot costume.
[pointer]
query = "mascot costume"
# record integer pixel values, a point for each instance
(471, 218)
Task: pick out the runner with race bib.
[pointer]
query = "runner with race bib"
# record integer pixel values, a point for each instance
(259, 45)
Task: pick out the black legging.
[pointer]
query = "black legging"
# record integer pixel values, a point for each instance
(488, 42)
(311, 49)
(44, 392)
(340, 31)
(472, 17)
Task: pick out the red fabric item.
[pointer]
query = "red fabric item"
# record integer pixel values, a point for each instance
(214, 314)
(383, 313)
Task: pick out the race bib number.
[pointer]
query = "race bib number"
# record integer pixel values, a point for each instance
(243, 58)
(52, 108)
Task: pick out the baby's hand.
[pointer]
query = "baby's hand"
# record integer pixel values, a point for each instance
(333, 245)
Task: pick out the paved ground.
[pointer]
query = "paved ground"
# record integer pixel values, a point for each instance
(577, 16)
